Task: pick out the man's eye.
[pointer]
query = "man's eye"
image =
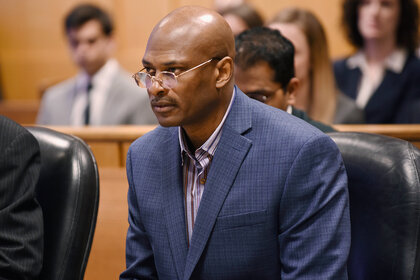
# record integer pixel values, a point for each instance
(260, 97)
(149, 71)
(92, 41)
(172, 69)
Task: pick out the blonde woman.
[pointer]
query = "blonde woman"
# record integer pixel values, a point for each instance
(317, 95)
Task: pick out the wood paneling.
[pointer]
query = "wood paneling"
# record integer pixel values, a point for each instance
(107, 256)
(22, 111)
(109, 144)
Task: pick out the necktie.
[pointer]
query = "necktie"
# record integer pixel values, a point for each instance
(87, 109)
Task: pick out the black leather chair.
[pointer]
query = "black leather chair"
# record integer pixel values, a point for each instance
(68, 191)
(384, 190)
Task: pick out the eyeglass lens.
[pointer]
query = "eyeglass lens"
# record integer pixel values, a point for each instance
(165, 79)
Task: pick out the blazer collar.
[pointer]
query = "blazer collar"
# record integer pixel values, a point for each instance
(240, 116)
(173, 194)
(231, 152)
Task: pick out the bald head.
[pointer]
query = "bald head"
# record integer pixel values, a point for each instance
(198, 47)
(197, 28)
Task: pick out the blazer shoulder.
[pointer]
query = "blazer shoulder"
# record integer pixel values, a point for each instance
(123, 79)
(276, 125)
(412, 66)
(10, 130)
(61, 89)
(125, 89)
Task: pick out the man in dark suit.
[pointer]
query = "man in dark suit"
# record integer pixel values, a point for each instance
(227, 187)
(264, 64)
(21, 223)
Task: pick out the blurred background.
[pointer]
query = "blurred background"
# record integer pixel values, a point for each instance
(33, 47)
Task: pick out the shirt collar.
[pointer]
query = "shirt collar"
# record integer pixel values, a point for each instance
(394, 62)
(209, 147)
(289, 109)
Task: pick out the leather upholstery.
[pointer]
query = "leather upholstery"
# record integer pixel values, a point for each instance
(384, 191)
(68, 191)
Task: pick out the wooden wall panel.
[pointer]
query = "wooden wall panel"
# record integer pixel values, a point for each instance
(107, 255)
(33, 50)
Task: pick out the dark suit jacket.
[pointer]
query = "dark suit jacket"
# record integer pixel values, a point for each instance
(302, 115)
(21, 226)
(393, 99)
(275, 204)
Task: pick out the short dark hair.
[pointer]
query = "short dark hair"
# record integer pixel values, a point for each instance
(86, 12)
(407, 30)
(264, 44)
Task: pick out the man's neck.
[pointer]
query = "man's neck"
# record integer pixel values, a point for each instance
(199, 132)
(376, 51)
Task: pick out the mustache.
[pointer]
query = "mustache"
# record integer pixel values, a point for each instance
(164, 100)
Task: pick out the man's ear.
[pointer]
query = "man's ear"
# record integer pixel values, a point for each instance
(291, 91)
(224, 71)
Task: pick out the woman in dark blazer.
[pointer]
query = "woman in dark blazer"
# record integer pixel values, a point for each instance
(383, 76)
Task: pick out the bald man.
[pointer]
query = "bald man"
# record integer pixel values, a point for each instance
(227, 187)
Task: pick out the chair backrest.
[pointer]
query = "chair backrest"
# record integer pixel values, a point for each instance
(68, 191)
(384, 190)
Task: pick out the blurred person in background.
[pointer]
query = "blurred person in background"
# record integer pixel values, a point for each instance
(383, 75)
(102, 93)
(317, 95)
(221, 5)
(242, 17)
(264, 70)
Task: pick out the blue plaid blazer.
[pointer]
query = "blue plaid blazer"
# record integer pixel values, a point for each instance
(275, 204)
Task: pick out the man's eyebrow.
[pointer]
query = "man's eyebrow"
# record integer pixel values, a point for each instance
(169, 63)
(145, 62)
(172, 62)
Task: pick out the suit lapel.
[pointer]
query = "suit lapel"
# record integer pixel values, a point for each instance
(231, 152)
(173, 202)
(354, 77)
(66, 105)
(113, 97)
(387, 95)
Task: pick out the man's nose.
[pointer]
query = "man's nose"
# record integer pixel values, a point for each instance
(82, 48)
(375, 8)
(156, 87)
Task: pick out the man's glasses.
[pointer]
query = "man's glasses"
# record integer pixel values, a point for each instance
(167, 80)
